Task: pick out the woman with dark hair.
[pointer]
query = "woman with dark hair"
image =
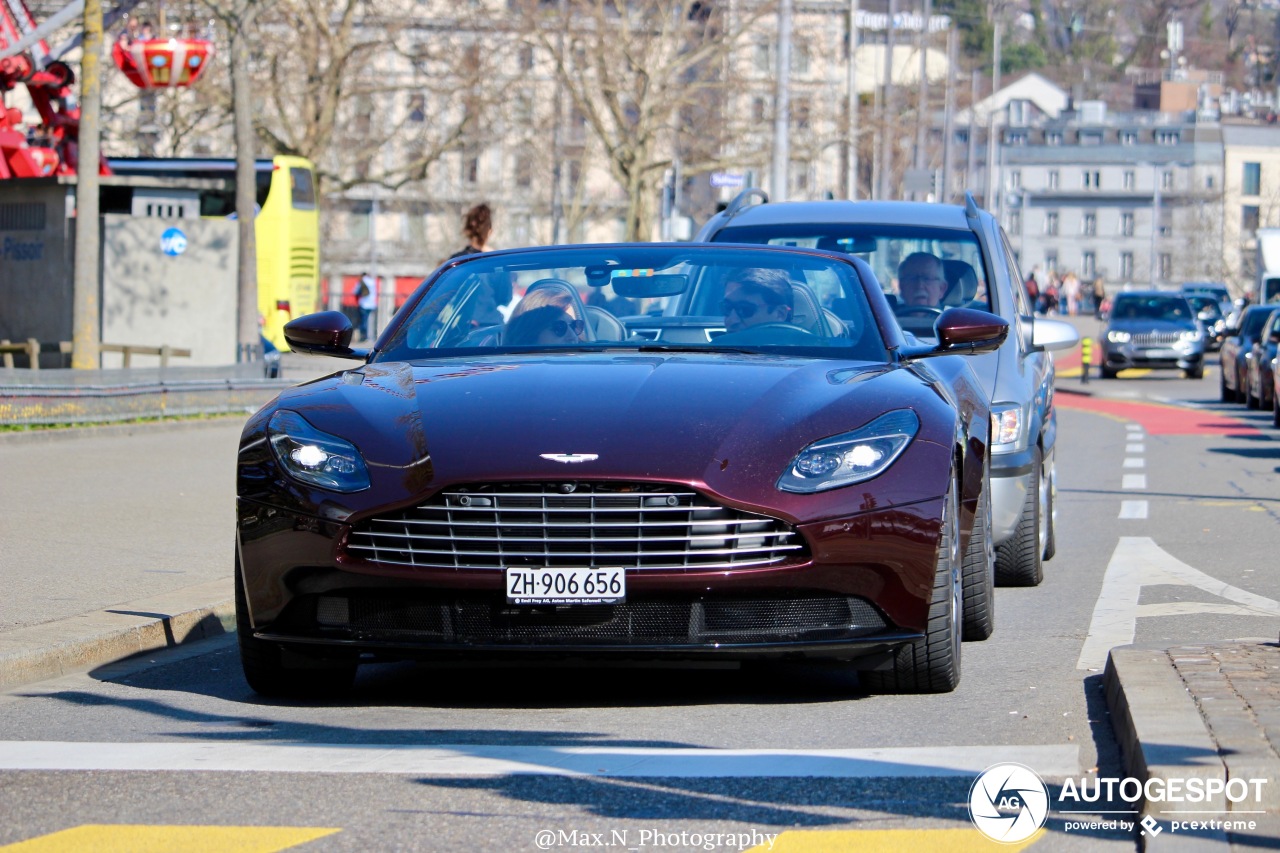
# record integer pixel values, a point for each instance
(477, 227)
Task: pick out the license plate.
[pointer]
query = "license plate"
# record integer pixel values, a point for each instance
(566, 586)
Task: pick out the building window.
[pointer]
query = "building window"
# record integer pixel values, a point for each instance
(800, 113)
(1088, 265)
(1015, 179)
(1252, 179)
(1051, 261)
(524, 171)
(1126, 224)
(758, 108)
(1015, 221)
(1249, 219)
(1128, 137)
(1126, 265)
(1051, 223)
(1089, 225)
(1130, 180)
(1208, 182)
(1166, 266)
(526, 58)
(1090, 138)
(417, 108)
(799, 58)
(1054, 181)
(1091, 179)
(763, 56)
(1016, 138)
(1166, 179)
(1053, 137)
(470, 169)
(1167, 137)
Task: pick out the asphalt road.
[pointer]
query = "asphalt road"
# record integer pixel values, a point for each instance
(444, 758)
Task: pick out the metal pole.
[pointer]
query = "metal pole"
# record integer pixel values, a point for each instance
(782, 111)
(992, 188)
(851, 144)
(557, 202)
(887, 139)
(86, 310)
(1155, 217)
(248, 347)
(922, 108)
(971, 161)
(948, 119)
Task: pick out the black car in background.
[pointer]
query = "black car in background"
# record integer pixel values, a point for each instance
(1209, 312)
(1237, 348)
(1153, 329)
(1260, 367)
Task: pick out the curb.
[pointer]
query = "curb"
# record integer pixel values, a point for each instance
(44, 435)
(1163, 735)
(82, 643)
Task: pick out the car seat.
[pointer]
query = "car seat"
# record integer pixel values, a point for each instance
(807, 312)
(962, 283)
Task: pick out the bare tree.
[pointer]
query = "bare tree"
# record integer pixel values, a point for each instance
(630, 69)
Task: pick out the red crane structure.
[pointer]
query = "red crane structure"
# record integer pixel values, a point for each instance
(49, 148)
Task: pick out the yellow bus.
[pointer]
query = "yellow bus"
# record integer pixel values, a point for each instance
(286, 228)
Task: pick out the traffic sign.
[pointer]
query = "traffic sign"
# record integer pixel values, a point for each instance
(727, 179)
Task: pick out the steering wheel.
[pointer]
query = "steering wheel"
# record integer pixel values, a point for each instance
(778, 334)
(913, 310)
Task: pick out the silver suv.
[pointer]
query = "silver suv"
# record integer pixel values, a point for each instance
(981, 271)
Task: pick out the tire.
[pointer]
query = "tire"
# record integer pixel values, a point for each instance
(1250, 401)
(979, 572)
(1048, 472)
(1106, 373)
(1196, 373)
(1019, 560)
(932, 664)
(1228, 396)
(1275, 411)
(270, 673)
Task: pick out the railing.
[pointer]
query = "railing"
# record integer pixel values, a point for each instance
(32, 348)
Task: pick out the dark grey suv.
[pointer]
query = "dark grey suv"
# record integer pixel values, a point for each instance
(981, 272)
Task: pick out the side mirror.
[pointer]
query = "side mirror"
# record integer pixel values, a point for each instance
(325, 333)
(964, 331)
(1053, 335)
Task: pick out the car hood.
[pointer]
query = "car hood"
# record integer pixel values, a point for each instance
(706, 419)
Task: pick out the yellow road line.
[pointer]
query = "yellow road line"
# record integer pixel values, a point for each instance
(123, 838)
(889, 841)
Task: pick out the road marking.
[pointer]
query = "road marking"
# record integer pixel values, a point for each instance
(1136, 448)
(1133, 481)
(1135, 462)
(1138, 562)
(163, 839)
(1133, 509)
(888, 841)
(1057, 760)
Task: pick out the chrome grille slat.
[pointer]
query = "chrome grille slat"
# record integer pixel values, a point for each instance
(639, 526)
(1156, 338)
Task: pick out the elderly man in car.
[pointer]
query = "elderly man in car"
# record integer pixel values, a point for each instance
(921, 280)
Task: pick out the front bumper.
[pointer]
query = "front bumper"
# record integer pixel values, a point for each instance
(1177, 356)
(862, 590)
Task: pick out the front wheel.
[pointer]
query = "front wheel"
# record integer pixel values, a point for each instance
(932, 663)
(979, 572)
(1194, 373)
(1018, 560)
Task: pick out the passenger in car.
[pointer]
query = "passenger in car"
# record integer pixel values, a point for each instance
(753, 297)
(922, 280)
(548, 325)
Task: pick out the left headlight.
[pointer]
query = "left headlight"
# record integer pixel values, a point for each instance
(316, 457)
(1118, 337)
(1191, 335)
(851, 457)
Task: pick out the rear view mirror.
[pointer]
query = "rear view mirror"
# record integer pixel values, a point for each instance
(964, 331)
(627, 283)
(325, 333)
(1053, 335)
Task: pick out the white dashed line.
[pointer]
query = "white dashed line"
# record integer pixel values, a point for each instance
(1133, 509)
(1134, 481)
(1135, 462)
(1135, 448)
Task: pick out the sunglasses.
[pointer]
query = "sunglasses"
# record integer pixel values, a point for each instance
(745, 310)
(559, 327)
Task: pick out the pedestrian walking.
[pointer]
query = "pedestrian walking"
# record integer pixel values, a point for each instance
(1099, 296)
(366, 294)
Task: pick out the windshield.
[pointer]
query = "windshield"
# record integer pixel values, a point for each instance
(1253, 323)
(1205, 303)
(641, 297)
(922, 270)
(1171, 308)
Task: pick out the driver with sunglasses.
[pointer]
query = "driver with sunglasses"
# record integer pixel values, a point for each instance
(548, 325)
(753, 297)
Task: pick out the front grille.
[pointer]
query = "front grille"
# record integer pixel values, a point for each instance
(565, 525)
(1156, 339)
(475, 619)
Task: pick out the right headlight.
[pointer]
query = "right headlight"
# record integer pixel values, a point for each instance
(1117, 337)
(1006, 426)
(851, 457)
(316, 457)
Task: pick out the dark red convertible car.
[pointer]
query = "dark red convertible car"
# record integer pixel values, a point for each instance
(689, 451)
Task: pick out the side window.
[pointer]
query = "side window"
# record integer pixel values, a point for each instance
(1016, 279)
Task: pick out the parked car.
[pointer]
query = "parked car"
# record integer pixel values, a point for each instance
(1212, 320)
(1259, 365)
(1237, 348)
(689, 482)
(981, 271)
(1154, 329)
